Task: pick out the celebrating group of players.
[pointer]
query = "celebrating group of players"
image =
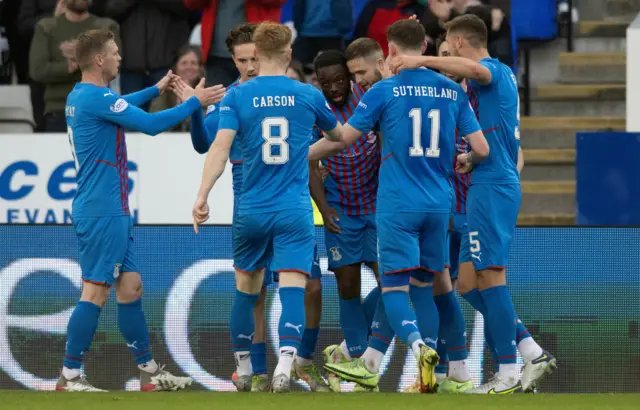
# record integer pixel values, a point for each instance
(419, 181)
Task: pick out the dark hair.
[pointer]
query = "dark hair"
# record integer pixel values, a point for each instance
(471, 27)
(408, 34)
(89, 44)
(362, 48)
(184, 50)
(240, 34)
(439, 41)
(329, 58)
(297, 67)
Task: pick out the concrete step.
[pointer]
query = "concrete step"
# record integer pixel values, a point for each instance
(603, 28)
(549, 165)
(560, 132)
(579, 100)
(548, 197)
(607, 9)
(622, 8)
(546, 219)
(579, 68)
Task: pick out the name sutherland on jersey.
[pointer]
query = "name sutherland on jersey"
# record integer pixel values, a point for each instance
(425, 91)
(274, 101)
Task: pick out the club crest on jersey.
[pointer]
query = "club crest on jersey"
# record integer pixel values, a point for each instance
(211, 109)
(372, 137)
(116, 270)
(335, 254)
(119, 106)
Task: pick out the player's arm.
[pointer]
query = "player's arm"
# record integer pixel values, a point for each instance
(119, 111)
(143, 96)
(204, 129)
(216, 160)
(520, 163)
(458, 66)
(470, 130)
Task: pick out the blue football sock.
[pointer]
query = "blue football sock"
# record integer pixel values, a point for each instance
(453, 326)
(501, 319)
(475, 299)
(490, 345)
(80, 330)
(426, 313)
(402, 318)
(308, 344)
(521, 331)
(259, 358)
(370, 304)
(241, 324)
(354, 325)
(133, 327)
(381, 333)
(292, 319)
(443, 363)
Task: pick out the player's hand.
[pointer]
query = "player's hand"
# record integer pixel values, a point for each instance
(211, 95)
(200, 213)
(331, 219)
(322, 171)
(166, 81)
(463, 163)
(405, 62)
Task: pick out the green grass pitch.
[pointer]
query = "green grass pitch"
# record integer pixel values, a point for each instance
(23, 400)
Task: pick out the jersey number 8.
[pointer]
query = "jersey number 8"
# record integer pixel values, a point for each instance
(416, 150)
(271, 141)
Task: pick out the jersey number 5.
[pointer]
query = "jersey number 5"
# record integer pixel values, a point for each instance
(416, 150)
(271, 141)
(73, 148)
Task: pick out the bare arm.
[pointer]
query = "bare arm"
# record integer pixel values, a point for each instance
(458, 66)
(335, 134)
(216, 160)
(479, 151)
(520, 164)
(325, 148)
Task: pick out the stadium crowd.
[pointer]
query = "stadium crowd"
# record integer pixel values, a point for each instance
(159, 35)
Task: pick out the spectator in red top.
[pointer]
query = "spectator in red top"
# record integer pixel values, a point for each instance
(218, 18)
(377, 15)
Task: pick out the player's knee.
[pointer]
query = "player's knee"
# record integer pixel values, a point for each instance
(348, 278)
(313, 289)
(250, 283)
(129, 287)
(259, 307)
(442, 283)
(490, 278)
(95, 293)
(293, 280)
(467, 280)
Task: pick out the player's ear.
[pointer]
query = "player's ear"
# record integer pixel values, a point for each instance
(425, 44)
(393, 50)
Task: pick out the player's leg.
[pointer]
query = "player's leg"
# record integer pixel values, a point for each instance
(345, 257)
(452, 323)
(440, 287)
(293, 254)
(370, 258)
(251, 245)
(491, 226)
(303, 367)
(98, 263)
(133, 325)
(260, 380)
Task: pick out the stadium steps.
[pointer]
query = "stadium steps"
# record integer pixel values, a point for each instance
(560, 132)
(607, 9)
(527, 219)
(598, 68)
(603, 28)
(590, 100)
(548, 197)
(549, 165)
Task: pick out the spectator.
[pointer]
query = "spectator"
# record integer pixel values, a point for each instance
(218, 18)
(437, 13)
(189, 67)
(51, 59)
(377, 15)
(498, 26)
(152, 33)
(321, 25)
(295, 72)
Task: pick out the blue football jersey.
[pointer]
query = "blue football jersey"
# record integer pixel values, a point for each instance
(497, 106)
(274, 117)
(418, 111)
(96, 119)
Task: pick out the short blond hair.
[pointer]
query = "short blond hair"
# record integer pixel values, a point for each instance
(89, 44)
(272, 39)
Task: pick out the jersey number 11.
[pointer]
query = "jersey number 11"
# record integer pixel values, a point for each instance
(416, 150)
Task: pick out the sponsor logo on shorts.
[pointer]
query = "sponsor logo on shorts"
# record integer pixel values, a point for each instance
(335, 254)
(116, 270)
